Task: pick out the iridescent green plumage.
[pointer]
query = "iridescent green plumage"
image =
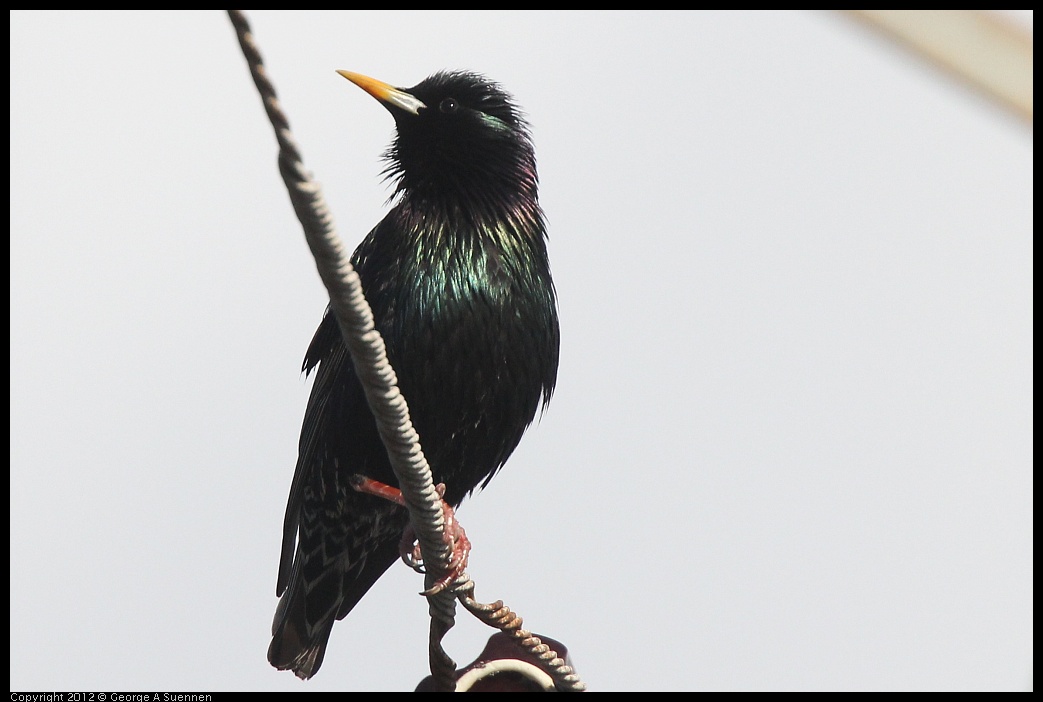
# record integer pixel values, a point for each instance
(459, 281)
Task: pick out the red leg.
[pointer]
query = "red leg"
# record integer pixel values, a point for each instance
(368, 486)
(409, 550)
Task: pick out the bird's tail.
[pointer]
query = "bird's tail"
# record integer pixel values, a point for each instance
(308, 608)
(299, 640)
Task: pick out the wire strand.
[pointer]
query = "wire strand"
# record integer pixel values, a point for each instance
(380, 383)
(355, 319)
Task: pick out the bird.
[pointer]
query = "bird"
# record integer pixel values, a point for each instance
(458, 276)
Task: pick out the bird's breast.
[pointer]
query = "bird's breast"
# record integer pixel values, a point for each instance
(471, 330)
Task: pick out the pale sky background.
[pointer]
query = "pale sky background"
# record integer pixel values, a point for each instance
(791, 446)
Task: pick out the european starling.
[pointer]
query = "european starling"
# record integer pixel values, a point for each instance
(459, 282)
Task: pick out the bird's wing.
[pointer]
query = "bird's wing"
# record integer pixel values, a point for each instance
(327, 353)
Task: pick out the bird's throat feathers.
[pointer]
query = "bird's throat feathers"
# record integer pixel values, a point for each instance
(504, 188)
(498, 220)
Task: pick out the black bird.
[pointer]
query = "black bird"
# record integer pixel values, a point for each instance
(459, 281)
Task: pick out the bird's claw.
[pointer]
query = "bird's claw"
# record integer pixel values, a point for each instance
(459, 549)
(408, 548)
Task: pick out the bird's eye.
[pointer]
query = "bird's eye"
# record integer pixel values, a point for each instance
(448, 106)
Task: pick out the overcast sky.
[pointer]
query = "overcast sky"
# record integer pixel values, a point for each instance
(791, 445)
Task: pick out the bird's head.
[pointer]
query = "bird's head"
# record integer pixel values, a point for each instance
(460, 137)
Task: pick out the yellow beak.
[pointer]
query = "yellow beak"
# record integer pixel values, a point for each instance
(387, 94)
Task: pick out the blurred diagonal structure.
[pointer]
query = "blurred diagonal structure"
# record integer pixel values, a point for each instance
(978, 46)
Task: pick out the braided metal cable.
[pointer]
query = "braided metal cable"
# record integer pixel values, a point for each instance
(499, 616)
(368, 353)
(364, 342)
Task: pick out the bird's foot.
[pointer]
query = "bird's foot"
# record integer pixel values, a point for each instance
(408, 548)
(459, 548)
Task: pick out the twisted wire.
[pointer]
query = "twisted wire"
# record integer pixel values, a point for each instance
(364, 342)
(368, 353)
(501, 617)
